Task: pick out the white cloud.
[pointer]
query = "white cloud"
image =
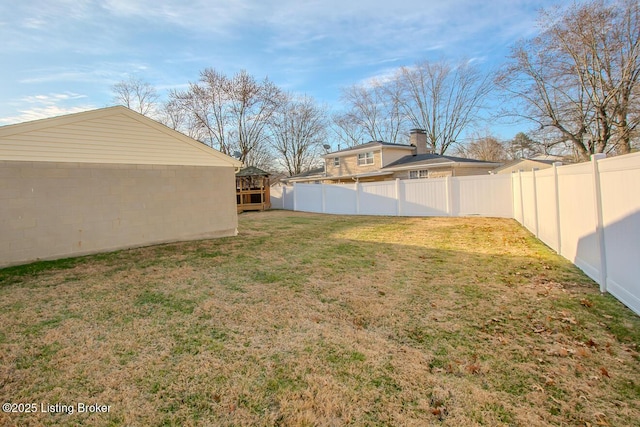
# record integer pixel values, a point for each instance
(52, 98)
(41, 106)
(45, 112)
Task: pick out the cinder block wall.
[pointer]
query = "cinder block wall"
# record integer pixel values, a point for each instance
(55, 210)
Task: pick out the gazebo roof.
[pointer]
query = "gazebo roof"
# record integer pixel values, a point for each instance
(252, 171)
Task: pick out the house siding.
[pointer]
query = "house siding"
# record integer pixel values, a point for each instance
(472, 171)
(52, 210)
(391, 155)
(112, 135)
(349, 165)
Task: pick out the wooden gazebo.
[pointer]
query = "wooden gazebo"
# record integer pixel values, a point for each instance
(252, 190)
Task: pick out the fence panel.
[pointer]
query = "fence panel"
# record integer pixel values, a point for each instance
(308, 197)
(576, 194)
(484, 195)
(288, 197)
(528, 201)
(340, 199)
(546, 201)
(378, 198)
(517, 198)
(277, 194)
(619, 184)
(424, 197)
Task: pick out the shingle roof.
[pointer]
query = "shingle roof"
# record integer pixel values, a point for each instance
(430, 159)
(252, 171)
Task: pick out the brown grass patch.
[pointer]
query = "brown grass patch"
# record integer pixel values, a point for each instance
(308, 319)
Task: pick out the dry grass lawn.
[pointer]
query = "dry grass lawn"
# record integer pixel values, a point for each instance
(312, 320)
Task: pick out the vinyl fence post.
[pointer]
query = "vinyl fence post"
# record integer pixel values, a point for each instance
(556, 188)
(295, 197)
(599, 220)
(398, 207)
(448, 195)
(357, 184)
(535, 203)
(284, 197)
(521, 197)
(324, 197)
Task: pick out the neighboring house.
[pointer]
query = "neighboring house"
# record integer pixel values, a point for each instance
(379, 161)
(108, 179)
(525, 165)
(312, 175)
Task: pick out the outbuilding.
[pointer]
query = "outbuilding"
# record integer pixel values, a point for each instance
(108, 179)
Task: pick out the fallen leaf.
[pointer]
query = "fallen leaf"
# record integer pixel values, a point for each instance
(473, 368)
(587, 303)
(604, 372)
(583, 352)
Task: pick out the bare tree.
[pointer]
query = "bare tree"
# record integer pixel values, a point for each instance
(580, 76)
(205, 102)
(442, 98)
(373, 109)
(261, 156)
(298, 129)
(136, 94)
(173, 115)
(347, 132)
(486, 147)
(232, 113)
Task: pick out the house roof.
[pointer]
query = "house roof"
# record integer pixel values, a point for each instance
(107, 135)
(514, 163)
(424, 160)
(367, 146)
(252, 171)
(310, 174)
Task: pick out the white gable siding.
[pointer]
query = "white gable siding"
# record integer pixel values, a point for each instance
(112, 135)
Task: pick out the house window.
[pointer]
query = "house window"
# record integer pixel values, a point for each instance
(336, 161)
(365, 158)
(418, 174)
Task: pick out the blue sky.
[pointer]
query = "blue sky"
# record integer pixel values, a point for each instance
(63, 56)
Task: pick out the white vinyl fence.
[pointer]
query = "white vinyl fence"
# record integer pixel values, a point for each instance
(588, 212)
(488, 195)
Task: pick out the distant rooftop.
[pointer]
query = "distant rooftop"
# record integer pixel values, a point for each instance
(429, 159)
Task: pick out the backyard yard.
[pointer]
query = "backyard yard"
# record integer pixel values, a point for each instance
(319, 320)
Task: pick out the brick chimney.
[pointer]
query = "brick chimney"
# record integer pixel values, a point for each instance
(418, 138)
